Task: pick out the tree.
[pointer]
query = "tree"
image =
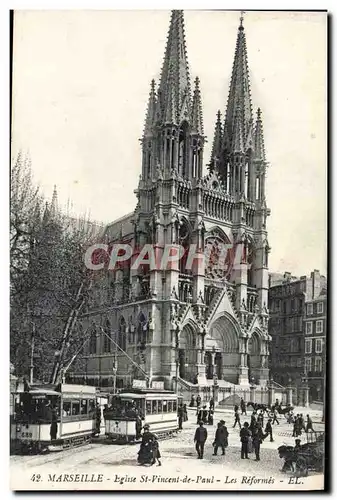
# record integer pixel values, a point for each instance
(50, 283)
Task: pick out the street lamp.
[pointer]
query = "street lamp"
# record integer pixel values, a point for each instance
(177, 357)
(114, 371)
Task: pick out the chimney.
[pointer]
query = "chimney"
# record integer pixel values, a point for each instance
(316, 283)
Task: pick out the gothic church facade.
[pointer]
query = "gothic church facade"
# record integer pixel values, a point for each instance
(209, 322)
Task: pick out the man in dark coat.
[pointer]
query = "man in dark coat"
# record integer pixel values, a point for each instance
(198, 400)
(98, 419)
(257, 440)
(309, 424)
(202, 415)
(221, 438)
(237, 417)
(192, 401)
(244, 437)
(53, 425)
(211, 404)
(269, 430)
(200, 439)
(243, 407)
(180, 416)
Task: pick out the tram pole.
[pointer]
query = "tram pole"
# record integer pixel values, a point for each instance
(31, 373)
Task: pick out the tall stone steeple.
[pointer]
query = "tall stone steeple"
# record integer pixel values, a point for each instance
(173, 137)
(174, 89)
(239, 107)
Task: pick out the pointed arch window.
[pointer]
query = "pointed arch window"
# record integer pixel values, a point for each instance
(122, 334)
(246, 180)
(107, 337)
(182, 161)
(250, 265)
(257, 188)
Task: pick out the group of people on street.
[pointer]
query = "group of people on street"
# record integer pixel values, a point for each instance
(220, 439)
(299, 425)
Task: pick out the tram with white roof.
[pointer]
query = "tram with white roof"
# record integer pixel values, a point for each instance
(133, 408)
(54, 416)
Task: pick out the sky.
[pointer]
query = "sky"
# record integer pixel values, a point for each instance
(81, 81)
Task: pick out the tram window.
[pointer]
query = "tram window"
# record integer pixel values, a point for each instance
(91, 405)
(154, 407)
(148, 407)
(84, 406)
(169, 407)
(164, 406)
(174, 405)
(66, 408)
(75, 407)
(160, 406)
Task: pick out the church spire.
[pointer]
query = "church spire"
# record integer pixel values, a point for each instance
(175, 79)
(259, 152)
(239, 105)
(151, 111)
(197, 121)
(217, 143)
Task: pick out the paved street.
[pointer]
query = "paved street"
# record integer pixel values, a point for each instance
(179, 462)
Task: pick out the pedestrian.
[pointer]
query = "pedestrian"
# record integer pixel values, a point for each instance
(269, 430)
(296, 427)
(236, 408)
(156, 451)
(180, 417)
(53, 425)
(185, 413)
(198, 401)
(309, 424)
(245, 434)
(192, 401)
(98, 419)
(222, 422)
(301, 422)
(275, 417)
(210, 418)
(260, 418)
(220, 438)
(204, 414)
(211, 404)
(237, 417)
(243, 407)
(200, 439)
(257, 440)
(253, 423)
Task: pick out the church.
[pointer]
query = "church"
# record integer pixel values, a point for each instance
(208, 323)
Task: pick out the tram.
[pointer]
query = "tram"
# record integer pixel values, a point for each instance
(134, 408)
(48, 417)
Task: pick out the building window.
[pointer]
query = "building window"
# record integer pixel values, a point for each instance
(299, 363)
(319, 307)
(319, 326)
(308, 329)
(318, 345)
(308, 364)
(318, 364)
(308, 346)
(309, 309)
